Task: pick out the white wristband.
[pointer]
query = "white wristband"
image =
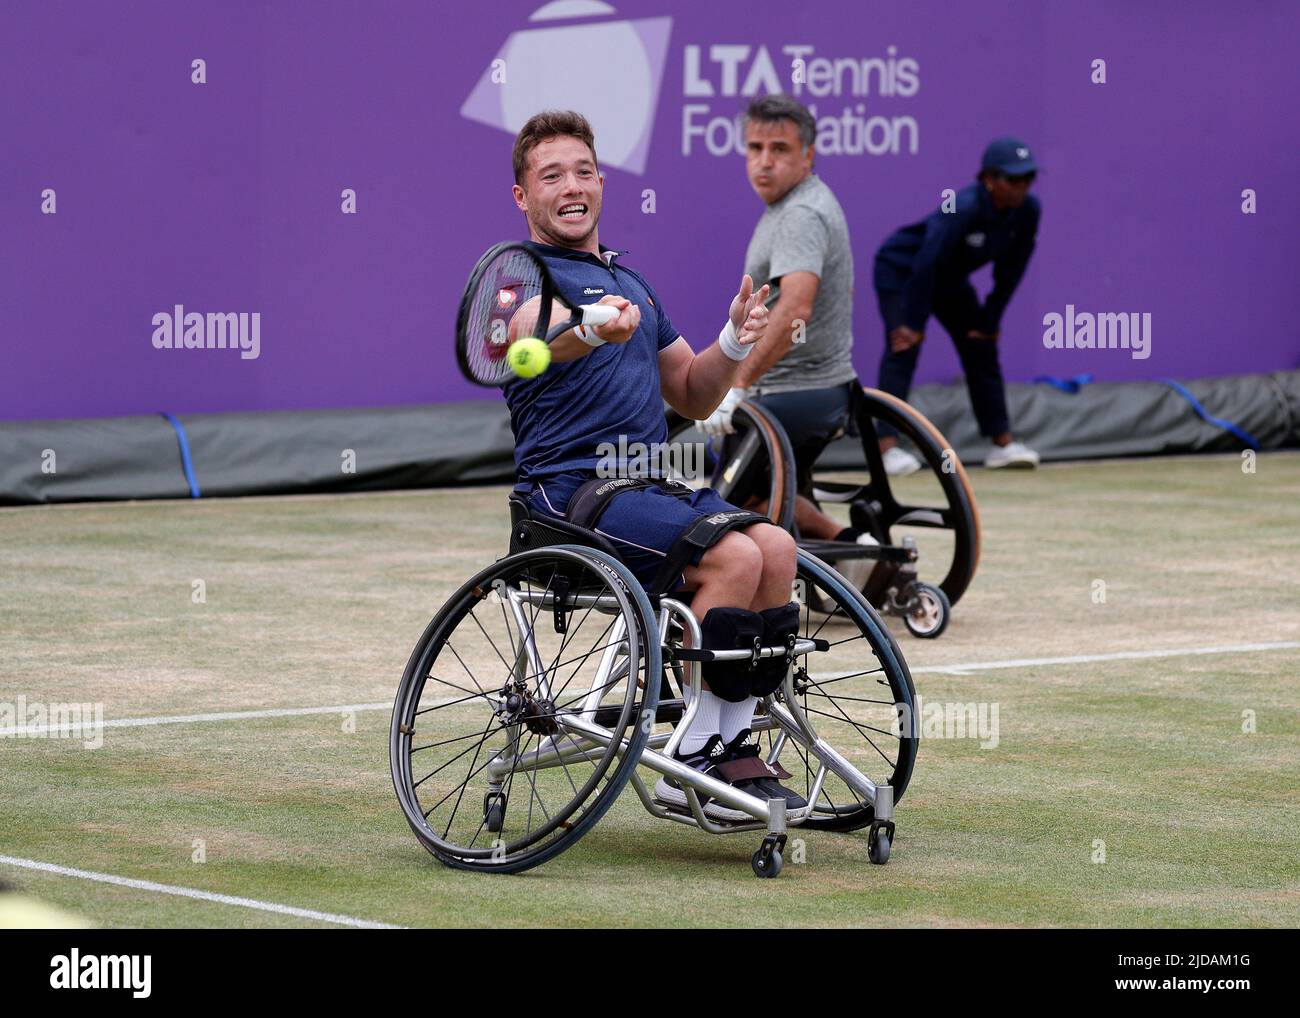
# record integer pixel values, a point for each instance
(731, 346)
(588, 336)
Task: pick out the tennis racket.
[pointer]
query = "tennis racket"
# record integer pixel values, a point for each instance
(510, 295)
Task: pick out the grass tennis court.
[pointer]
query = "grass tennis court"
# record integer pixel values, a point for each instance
(315, 602)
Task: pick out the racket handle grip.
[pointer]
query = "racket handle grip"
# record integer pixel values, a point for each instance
(597, 314)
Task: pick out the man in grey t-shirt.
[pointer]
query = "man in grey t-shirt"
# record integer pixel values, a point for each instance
(802, 371)
(801, 246)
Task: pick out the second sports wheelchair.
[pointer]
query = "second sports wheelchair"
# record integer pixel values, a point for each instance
(937, 503)
(552, 679)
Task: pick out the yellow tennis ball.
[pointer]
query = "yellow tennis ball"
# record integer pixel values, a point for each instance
(528, 357)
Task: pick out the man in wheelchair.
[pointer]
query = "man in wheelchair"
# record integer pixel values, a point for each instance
(606, 387)
(803, 372)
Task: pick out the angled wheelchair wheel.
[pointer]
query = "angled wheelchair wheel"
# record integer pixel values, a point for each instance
(853, 695)
(741, 462)
(920, 506)
(524, 708)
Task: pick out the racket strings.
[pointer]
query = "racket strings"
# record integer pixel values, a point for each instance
(505, 289)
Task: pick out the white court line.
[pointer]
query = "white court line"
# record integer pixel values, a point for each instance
(189, 892)
(953, 669)
(1122, 655)
(186, 719)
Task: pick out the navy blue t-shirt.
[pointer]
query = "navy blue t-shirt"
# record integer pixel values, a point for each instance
(936, 255)
(562, 416)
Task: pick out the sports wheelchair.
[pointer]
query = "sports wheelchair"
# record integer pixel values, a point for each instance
(553, 678)
(893, 510)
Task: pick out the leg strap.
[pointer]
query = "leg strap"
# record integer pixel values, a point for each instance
(730, 629)
(589, 502)
(780, 629)
(749, 768)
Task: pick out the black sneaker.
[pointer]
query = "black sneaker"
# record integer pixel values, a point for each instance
(745, 757)
(706, 759)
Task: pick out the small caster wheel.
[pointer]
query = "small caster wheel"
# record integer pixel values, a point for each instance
(879, 841)
(494, 812)
(927, 611)
(767, 863)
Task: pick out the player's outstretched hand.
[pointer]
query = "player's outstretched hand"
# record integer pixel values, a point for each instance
(620, 329)
(749, 311)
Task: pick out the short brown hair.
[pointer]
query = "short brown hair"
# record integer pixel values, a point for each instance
(771, 109)
(547, 125)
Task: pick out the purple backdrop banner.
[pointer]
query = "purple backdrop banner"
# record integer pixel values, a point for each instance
(330, 172)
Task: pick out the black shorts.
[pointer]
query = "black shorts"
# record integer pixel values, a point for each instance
(812, 419)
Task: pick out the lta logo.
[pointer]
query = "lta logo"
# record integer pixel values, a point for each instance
(609, 71)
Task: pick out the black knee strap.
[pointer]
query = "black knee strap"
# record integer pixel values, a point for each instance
(700, 536)
(730, 629)
(780, 629)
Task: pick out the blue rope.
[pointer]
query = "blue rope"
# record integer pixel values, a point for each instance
(1070, 385)
(1205, 415)
(185, 453)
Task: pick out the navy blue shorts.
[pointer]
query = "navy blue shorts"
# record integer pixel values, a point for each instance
(642, 524)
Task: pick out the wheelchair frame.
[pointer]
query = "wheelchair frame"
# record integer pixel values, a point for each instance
(792, 722)
(594, 728)
(893, 586)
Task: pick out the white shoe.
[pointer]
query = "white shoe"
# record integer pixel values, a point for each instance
(1013, 454)
(900, 462)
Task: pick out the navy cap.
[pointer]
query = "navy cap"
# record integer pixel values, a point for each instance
(1009, 156)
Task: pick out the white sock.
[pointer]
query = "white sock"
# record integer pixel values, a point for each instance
(705, 725)
(734, 718)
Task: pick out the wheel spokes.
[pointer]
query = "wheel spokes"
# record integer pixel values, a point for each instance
(502, 734)
(842, 701)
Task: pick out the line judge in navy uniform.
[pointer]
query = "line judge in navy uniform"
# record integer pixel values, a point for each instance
(923, 269)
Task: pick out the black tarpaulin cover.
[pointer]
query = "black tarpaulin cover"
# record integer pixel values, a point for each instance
(470, 443)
